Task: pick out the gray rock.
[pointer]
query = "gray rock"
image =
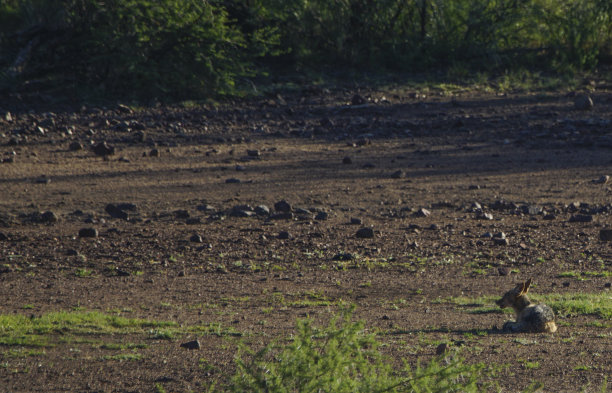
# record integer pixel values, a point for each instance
(262, 210)
(344, 256)
(75, 146)
(284, 235)
(49, 217)
(355, 221)
(484, 216)
(115, 212)
(501, 241)
(422, 212)
(195, 238)
(365, 233)
(195, 344)
(253, 153)
(347, 160)
(282, 206)
(321, 216)
(581, 218)
(605, 235)
(154, 153)
(103, 149)
(583, 102)
(88, 232)
(232, 181)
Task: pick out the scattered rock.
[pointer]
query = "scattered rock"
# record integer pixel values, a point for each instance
(48, 217)
(321, 216)
(343, 256)
(583, 102)
(181, 213)
(487, 235)
(581, 218)
(605, 235)
(365, 233)
(484, 216)
(253, 153)
(355, 221)
(282, 206)
(116, 212)
(347, 160)
(103, 149)
(550, 217)
(503, 271)
(154, 153)
(262, 210)
(501, 242)
(88, 232)
(232, 180)
(75, 146)
(43, 180)
(284, 235)
(399, 174)
(121, 273)
(422, 212)
(602, 180)
(195, 344)
(195, 238)
(282, 216)
(358, 100)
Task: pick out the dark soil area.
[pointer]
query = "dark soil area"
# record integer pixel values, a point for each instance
(175, 214)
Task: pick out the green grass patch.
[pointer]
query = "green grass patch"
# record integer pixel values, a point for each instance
(584, 275)
(123, 357)
(343, 357)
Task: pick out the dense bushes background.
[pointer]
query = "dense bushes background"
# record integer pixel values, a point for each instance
(190, 48)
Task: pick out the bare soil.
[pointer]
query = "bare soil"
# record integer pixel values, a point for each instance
(187, 245)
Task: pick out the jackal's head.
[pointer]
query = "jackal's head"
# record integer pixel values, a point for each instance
(511, 297)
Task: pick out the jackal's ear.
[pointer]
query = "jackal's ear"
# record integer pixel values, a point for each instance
(527, 285)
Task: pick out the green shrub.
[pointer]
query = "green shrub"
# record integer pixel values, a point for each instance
(344, 358)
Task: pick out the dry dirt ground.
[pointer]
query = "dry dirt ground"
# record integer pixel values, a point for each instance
(180, 234)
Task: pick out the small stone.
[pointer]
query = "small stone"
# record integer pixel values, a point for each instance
(49, 217)
(284, 235)
(282, 206)
(121, 272)
(262, 210)
(8, 117)
(321, 216)
(115, 212)
(583, 102)
(253, 153)
(343, 256)
(356, 221)
(347, 160)
(503, 271)
(240, 168)
(365, 233)
(422, 212)
(181, 213)
(605, 235)
(581, 218)
(43, 180)
(358, 100)
(602, 180)
(195, 238)
(103, 149)
(75, 146)
(399, 174)
(487, 235)
(484, 216)
(154, 153)
(500, 235)
(501, 242)
(473, 187)
(550, 217)
(442, 349)
(232, 181)
(195, 344)
(282, 216)
(88, 232)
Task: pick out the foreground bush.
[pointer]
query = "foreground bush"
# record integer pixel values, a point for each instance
(344, 358)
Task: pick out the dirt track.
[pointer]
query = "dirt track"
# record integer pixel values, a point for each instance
(189, 245)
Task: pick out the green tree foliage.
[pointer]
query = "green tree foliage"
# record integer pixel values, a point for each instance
(203, 47)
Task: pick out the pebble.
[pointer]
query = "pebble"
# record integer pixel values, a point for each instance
(116, 212)
(103, 149)
(195, 344)
(262, 210)
(88, 232)
(75, 146)
(154, 153)
(347, 160)
(602, 180)
(422, 212)
(365, 233)
(581, 218)
(343, 256)
(253, 153)
(195, 238)
(605, 234)
(232, 180)
(356, 221)
(284, 235)
(282, 206)
(321, 216)
(399, 174)
(501, 241)
(583, 102)
(49, 217)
